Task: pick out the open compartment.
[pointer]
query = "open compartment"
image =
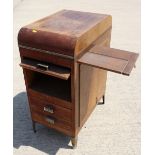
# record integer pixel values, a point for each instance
(49, 85)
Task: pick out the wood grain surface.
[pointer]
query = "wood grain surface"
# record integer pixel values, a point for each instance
(52, 70)
(66, 32)
(110, 59)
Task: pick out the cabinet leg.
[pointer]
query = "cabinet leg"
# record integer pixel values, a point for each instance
(74, 142)
(34, 126)
(103, 98)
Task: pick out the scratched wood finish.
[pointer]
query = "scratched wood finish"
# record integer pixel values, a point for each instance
(73, 41)
(67, 32)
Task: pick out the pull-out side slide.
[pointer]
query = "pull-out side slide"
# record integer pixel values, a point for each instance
(110, 59)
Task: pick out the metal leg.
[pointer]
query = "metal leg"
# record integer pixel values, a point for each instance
(103, 98)
(74, 142)
(34, 126)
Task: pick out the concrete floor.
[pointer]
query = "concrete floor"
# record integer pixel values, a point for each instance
(113, 128)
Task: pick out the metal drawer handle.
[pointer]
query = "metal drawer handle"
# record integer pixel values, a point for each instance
(41, 66)
(49, 120)
(48, 109)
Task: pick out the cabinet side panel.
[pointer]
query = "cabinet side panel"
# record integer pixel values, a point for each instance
(92, 83)
(88, 90)
(101, 74)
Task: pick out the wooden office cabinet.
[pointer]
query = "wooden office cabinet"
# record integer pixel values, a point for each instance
(65, 58)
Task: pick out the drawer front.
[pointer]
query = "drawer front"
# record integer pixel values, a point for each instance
(47, 108)
(51, 122)
(46, 57)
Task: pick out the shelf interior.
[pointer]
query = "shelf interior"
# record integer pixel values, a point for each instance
(51, 86)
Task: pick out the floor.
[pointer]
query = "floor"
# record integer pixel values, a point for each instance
(113, 128)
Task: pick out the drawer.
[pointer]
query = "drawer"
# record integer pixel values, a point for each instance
(47, 108)
(46, 56)
(51, 122)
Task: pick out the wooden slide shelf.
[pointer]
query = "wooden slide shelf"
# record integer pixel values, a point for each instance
(49, 69)
(110, 59)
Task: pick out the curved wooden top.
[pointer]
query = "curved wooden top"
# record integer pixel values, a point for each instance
(67, 32)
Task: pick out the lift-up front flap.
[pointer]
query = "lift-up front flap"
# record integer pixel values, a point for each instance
(110, 59)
